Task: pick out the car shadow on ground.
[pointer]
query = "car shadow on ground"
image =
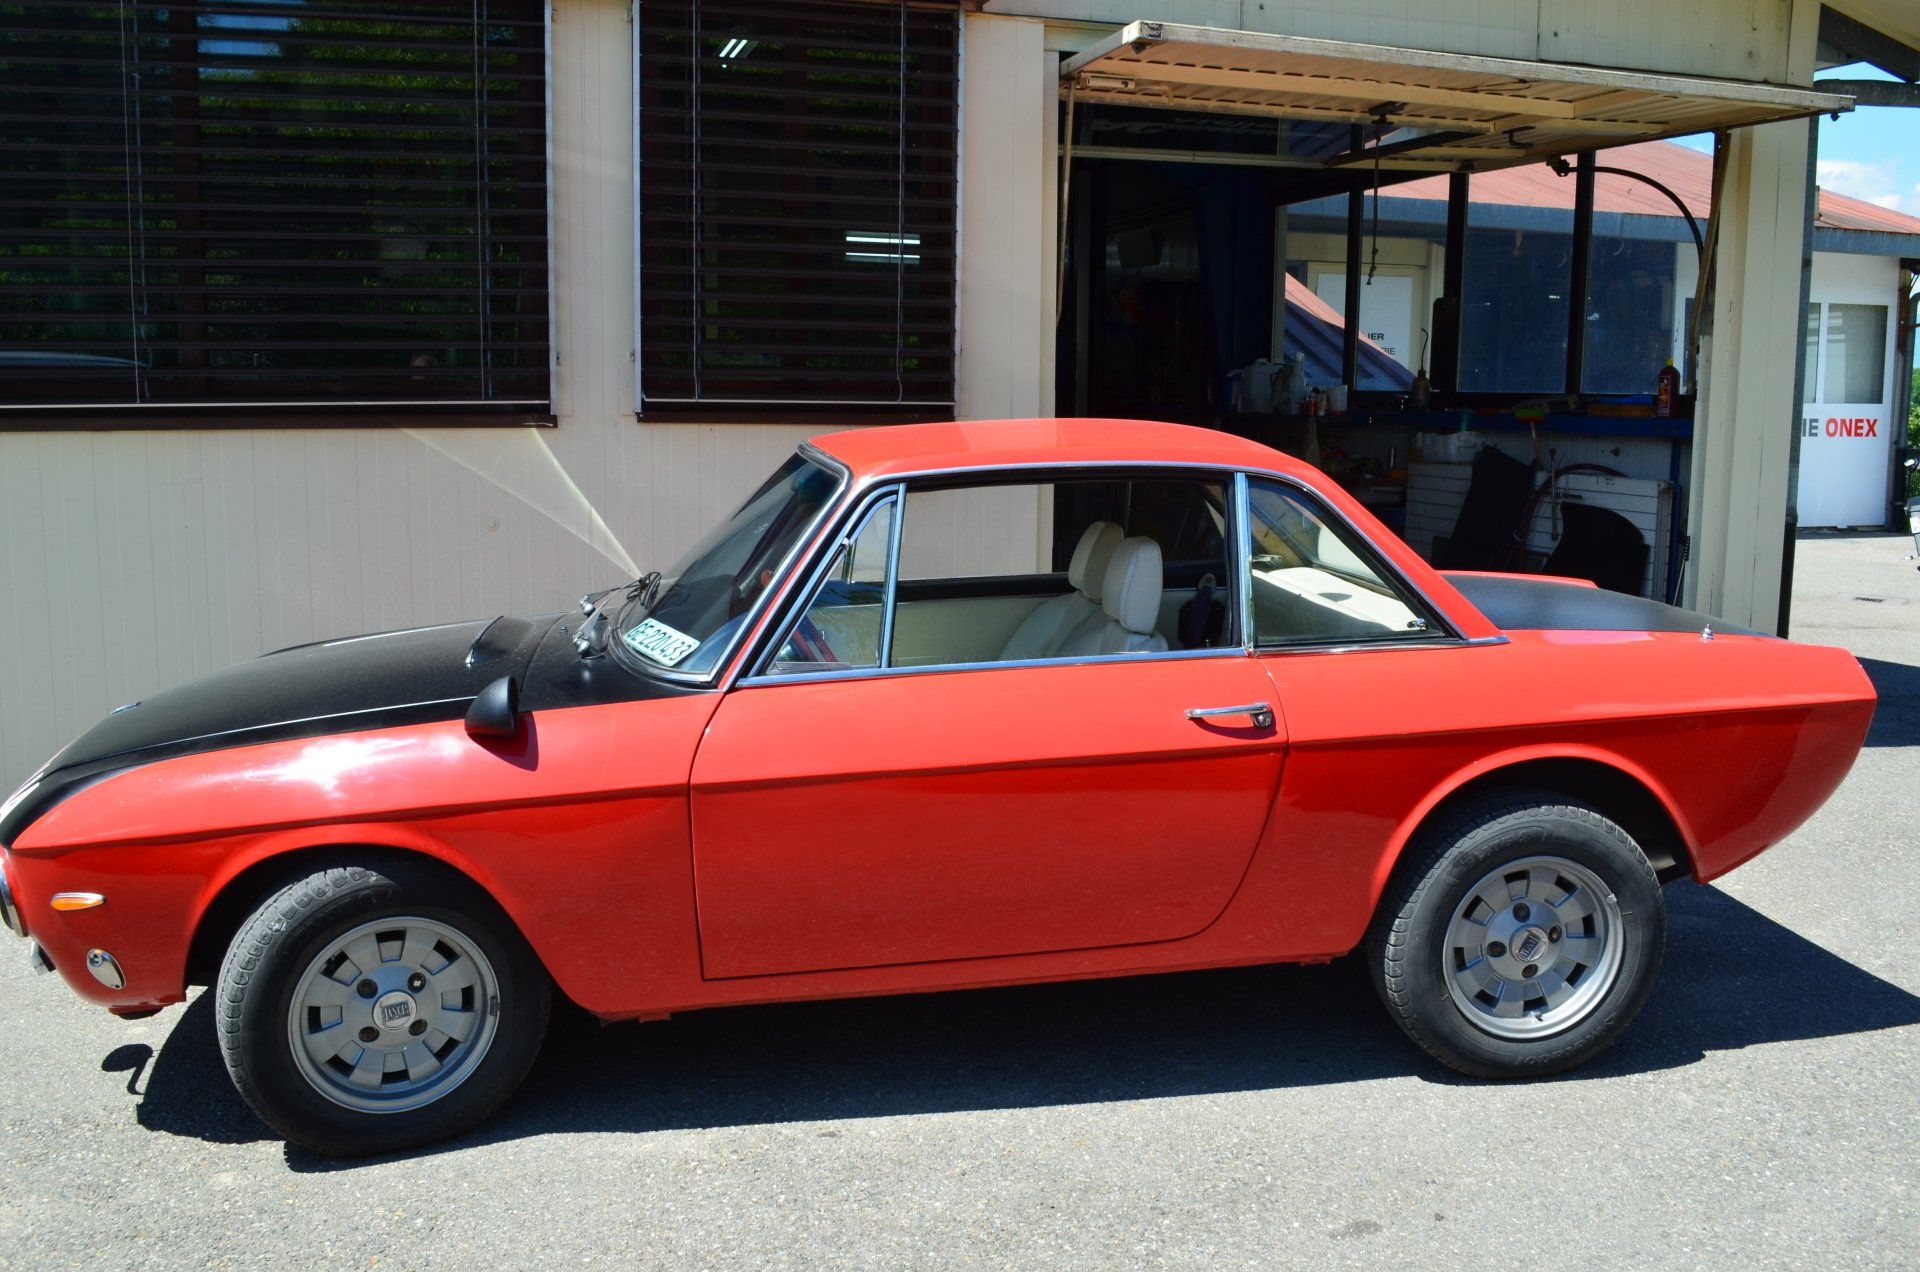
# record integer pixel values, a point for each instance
(1733, 979)
(1896, 718)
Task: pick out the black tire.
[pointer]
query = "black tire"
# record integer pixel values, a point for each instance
(1408, 949)
(254, 993)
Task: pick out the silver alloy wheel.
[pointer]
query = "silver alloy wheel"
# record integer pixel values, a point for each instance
(393, 1014)
(1533, 948)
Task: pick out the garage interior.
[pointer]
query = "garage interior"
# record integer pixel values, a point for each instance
(1225, 203)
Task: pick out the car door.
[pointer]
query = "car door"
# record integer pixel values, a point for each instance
(866, 816)
(1380, 696)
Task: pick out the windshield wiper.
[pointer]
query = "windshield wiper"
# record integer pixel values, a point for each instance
(591, 601)
(591, 640)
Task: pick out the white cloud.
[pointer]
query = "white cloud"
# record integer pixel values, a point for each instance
(1870, 182)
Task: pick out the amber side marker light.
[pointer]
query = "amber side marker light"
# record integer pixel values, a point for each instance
(64, 901)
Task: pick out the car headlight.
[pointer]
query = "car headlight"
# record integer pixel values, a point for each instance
(20, 796)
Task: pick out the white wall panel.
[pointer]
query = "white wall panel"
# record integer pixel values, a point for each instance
(1010, 176)
(1732, 39)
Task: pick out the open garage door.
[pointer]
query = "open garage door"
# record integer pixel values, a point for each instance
(1425, 110)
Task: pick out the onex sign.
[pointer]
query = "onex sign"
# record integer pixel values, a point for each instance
(1856, 426)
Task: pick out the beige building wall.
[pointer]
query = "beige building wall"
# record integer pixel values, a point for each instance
(130, 561)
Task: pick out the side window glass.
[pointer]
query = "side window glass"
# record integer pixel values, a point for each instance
(843, 626)
(1312, 583)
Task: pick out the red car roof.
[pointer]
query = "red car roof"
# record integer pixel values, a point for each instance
(980, 444)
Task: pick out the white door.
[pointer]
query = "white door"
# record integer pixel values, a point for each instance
(1847, 426)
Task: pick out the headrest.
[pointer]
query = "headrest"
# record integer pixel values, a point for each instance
(1088, 569)
(1131, 591)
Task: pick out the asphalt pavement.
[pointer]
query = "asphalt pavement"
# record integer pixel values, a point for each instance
(1765, 1108)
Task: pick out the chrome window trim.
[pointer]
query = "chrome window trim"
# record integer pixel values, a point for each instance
(870, 503)
(1240, 526)
(756, 614)
(1239, 475)
(1375, 646)
(891, 594)
(1224, 471)
(1436, 615)
(865, 494)
(896, 485)
(1014, 664)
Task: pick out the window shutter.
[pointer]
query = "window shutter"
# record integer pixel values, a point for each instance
(797, 198)
(252, 203)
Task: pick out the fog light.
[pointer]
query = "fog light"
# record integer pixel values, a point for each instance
(106, 969)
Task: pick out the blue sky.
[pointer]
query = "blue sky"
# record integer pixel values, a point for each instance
(1871, 153)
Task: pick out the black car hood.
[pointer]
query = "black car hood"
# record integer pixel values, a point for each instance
(415, 676)
(360, 682)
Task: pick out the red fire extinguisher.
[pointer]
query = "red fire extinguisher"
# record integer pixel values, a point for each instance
(1668, 391)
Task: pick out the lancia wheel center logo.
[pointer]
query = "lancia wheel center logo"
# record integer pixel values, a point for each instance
(394, 1011)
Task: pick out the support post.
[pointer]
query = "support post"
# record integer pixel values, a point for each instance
(1445, 363)
(1791, 525)
(1350, 339)
(1738, 494)
(1583, 180)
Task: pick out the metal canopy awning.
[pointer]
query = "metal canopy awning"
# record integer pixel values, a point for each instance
(1428, 111)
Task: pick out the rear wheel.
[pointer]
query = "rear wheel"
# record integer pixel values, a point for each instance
(1522, 938)
(366, 1010)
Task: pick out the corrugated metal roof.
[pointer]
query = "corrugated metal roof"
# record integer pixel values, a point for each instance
(1451, 107)
(1316, 330)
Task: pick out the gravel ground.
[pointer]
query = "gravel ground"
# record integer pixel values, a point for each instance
(1765, 1108)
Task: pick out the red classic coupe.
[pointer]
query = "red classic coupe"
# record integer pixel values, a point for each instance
(940, 706)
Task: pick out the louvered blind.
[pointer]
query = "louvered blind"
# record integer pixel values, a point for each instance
(275, 202)
(797, 196)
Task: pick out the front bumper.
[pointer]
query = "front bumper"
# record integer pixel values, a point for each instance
(9, 911)
(16, 922)
(128, 954)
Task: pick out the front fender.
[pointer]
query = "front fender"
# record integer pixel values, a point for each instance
(577, 828)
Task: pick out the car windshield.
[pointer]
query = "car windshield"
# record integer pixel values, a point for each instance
(702, 603)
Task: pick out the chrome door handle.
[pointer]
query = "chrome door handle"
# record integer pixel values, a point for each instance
(1259, 712)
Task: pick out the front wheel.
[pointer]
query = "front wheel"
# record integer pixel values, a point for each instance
(364, 1010)
(1522, 938)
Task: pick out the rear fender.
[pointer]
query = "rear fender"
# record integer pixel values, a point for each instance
(1492, 766)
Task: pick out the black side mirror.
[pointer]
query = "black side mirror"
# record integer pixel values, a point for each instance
(495, 712)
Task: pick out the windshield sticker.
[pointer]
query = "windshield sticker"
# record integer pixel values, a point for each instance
(655, 640)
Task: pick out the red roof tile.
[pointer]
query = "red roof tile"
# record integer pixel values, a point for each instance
(1688, 172)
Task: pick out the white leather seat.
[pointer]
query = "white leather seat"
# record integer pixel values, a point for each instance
(1129, 602)
(1041, 633)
